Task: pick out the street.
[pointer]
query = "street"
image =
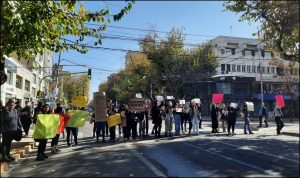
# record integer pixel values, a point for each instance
(205, 155)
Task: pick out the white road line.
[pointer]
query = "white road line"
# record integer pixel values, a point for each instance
(268, 154)
(232, 159)
(145, 161)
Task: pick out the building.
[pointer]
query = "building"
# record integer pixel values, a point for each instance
(243, 64)
(24, 77)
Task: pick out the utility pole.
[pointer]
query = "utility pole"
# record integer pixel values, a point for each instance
(56, 83)
(261, 80)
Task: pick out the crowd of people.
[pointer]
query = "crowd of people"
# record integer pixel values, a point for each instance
(14, 117)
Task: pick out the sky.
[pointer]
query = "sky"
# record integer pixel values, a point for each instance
(204, 20)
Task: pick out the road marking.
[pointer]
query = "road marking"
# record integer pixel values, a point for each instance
(145, 161)
(233, 160)
(268, 154)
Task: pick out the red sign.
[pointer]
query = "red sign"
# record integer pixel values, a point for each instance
(279, 101)
(64, 118)
(217, 98)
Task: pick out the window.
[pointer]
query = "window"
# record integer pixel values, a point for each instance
(233, 51)
(263, 53)
(34, 78)
(243, 52)
(233, 67)
(238, 68)
(7, 97)
(248, 69)
(27, 85)
(222, 51)
(258, 69)
(9, 77)
(253, 53)
(33, 92)
(268, 70)
(263, 70)
(222, 67)
(19, 82)
(273, 70)
(243, 68)
(228, 67)
(254, 69)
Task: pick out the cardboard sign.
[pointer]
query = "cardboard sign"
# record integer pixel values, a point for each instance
(138, 95)
(100, 107)
(196, 100)
(234, 105)
(279, 101)
(159, 98)
(181, 101)
(46, 126)
(79, 101)
(170, 98)
(136, 105)
(178, 109)
(114, 120)
(250, 106)
(217, 98)
(78, 118)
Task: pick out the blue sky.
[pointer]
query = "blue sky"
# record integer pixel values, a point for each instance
(205, 18)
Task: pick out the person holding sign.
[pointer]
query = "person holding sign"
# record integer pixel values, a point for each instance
(156, 119)
(169, 118)
(232, 115)
(41, 156)
(177, 117)
(112, 130)
(195, 113)
(246, 119)
(278, 115)
(214, 118)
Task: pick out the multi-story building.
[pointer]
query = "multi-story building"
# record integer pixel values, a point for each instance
(243, 64)
(24, 76)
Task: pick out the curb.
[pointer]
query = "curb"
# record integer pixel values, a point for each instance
(18, 153)
(291, 134)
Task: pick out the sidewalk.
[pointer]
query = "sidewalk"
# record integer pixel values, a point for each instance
(290, 128)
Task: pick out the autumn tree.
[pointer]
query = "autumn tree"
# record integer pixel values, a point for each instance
(279, 23)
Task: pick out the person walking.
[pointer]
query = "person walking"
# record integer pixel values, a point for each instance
(26, 118)
(214, 118)
(41, 156)
(246, 119)
(124, 121)
(195, 118)
(263, 114)
(278, 116)
(10, 122)
(177, 118)
(186, 117)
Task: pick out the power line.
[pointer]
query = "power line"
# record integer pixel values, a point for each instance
(147, 30)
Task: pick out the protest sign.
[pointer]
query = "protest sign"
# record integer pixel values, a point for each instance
(100, 107)
(114, 120)
(196, 100)
(234, 105)
(78, 118)
(46, 126)
(250, 106)
(181, 101)
(217, 98)
(170, 97)
(279, 101)
(159, 98)
(136, 105)
(79, 101)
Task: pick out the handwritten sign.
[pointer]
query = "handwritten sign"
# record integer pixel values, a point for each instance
(234, 105)
(250, 106)
(136, 105)
(217, 98)
(100, 107)
(79, 101)
(114, 120)
(46, 126)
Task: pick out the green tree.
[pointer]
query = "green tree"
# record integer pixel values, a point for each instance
(279, 23)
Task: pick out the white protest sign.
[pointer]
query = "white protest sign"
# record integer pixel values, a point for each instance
(234, 105)
(250, 106)
(181, 101)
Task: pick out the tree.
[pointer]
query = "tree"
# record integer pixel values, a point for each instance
(279, 23)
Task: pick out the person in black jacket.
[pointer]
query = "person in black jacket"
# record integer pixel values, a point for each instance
(232, 115)
(263, 113)
(10, 121)
(214, 118)
(54, 142)
(156, 119)
(26, 118)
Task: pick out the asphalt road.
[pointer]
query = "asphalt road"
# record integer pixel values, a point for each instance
(205, 155)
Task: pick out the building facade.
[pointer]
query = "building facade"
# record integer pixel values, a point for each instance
(24, 76)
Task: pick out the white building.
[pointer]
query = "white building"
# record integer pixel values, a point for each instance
(23, 77)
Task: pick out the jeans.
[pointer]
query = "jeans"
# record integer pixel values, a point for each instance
(247, 125)
(6, 143)
(169, 124)
(195, 124)
(177, 123)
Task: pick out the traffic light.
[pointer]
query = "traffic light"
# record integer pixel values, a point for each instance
(89, 73)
